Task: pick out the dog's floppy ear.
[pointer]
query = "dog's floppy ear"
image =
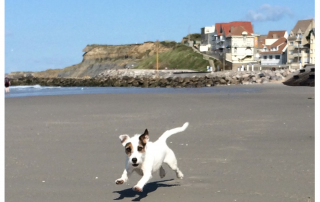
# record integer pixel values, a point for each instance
(144, 138)
(124, 139)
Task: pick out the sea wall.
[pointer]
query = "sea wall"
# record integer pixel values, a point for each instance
(151, 78)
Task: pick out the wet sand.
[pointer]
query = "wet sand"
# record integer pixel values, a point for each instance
(253, 146)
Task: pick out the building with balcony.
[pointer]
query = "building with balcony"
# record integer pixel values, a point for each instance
(274, 49)
(311, 38)
(299, 47)
(274, 54)
(234, 42)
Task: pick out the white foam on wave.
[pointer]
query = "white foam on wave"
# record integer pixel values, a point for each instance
(33, 86)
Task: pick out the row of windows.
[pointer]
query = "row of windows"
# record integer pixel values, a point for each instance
(299, 42)
(299, 51)
(305, 60)
(271, 57)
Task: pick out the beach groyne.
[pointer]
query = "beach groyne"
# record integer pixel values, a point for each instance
(151, 78)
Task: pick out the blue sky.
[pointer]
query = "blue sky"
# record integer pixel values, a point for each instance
(42, 35)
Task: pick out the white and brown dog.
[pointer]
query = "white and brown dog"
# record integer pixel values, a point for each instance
(145, 157)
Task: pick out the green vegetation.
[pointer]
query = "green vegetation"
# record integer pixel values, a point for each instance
(195, 37)
(168, 44)
(180, 57)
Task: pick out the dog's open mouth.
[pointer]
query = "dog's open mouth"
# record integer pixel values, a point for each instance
(135, 164)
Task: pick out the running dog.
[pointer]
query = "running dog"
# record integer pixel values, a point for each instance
(146, 157)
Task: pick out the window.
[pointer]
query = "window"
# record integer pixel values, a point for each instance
(311, 51)
(291, 43)
(265, 57)
(290, 60)
(270, 56)
(311, 40)
(235, 50)
(291, 52)
(307, 51)
(278, 57)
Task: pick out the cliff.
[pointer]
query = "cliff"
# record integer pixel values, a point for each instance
(98, 58)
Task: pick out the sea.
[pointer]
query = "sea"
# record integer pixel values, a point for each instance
(37, 90)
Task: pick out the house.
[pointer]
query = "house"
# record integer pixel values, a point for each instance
(206, 38)
(311, 43)
(274, 49)
(298, 53)
(235, 42)
(259, 45)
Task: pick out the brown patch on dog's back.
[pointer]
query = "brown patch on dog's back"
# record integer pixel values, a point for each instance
(128, 148)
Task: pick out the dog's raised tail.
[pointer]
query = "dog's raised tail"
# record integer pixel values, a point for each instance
(168, 133)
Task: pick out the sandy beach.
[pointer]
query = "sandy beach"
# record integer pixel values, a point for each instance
(252, 146)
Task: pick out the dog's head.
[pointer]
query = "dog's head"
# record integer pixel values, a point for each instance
(135, 147)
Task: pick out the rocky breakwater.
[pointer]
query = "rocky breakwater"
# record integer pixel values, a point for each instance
(163, 78)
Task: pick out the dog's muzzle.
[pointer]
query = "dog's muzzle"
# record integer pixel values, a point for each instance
(134, 161)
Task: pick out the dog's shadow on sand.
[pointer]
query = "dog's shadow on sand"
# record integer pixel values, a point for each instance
(150, 187)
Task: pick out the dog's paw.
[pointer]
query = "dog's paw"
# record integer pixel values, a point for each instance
(180, 175)
(136, 188)
(119, 181)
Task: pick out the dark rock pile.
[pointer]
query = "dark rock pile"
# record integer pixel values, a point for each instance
(302, 77)
(189, 80)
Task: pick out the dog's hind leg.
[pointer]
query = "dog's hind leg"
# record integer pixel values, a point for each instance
(171, 160)
(162, 172)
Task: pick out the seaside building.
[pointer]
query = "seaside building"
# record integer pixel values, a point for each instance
(235, 42)
(299, 47)
(311, 38)
(206, 38)
(274, 49)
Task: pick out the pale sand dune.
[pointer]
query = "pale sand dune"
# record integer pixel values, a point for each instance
(254, 146)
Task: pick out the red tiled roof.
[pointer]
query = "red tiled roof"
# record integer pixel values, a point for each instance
(276, 34)
(279, 41)
(236, 31)
(227, 27)
(279, 51)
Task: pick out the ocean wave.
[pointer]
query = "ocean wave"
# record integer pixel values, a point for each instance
(33, 87)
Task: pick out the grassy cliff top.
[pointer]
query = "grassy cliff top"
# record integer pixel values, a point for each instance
(180, 57)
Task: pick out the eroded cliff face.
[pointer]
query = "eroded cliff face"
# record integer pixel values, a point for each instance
(98, 58)
(111, 52)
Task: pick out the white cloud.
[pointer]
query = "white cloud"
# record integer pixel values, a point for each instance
(269, 13)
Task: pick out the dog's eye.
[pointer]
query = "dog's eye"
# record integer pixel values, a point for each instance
(140, 148)
(128, 149)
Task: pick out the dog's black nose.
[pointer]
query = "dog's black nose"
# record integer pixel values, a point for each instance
(134, 160)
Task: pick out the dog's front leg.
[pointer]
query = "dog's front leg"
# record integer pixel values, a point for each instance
(145, 178)
(124, 177)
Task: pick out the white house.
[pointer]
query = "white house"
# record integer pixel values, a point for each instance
(275, 54)
(240, 46)
(206, 38)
